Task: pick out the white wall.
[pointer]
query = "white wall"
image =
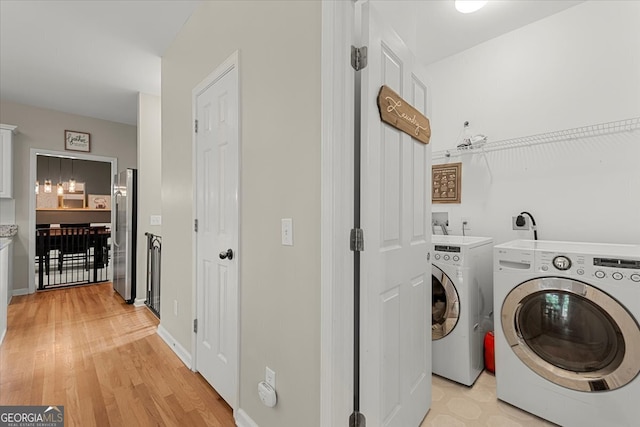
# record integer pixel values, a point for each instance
(577, 68)
(279, 64)
(149, 180)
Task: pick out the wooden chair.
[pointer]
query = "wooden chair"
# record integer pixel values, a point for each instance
(44, 246)
(74, 245)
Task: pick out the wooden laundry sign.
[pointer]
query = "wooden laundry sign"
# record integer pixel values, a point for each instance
(402, 115)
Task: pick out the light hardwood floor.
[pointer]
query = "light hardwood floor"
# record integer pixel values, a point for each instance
(86, 349)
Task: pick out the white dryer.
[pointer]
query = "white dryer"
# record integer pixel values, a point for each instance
(462, 305)
(567, 339)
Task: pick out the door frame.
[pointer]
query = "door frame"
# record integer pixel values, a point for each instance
(33, 156)
(337, 167)
(231, 64)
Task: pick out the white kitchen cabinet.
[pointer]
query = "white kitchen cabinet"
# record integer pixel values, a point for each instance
(5, 277)
(6, 160)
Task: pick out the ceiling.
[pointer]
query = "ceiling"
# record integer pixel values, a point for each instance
(93, 57)
(86, 57)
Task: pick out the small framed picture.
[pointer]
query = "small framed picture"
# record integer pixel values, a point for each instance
(77, 141)
(447, 183)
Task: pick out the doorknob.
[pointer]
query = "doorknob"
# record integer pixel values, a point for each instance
(228, 254)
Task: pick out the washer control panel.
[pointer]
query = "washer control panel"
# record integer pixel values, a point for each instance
(447, 254)
(588, 266)
(617, 269)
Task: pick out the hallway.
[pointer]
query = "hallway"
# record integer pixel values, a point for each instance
(87, 350)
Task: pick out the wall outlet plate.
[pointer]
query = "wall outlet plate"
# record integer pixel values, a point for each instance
(287, 232)
(526, 226)
(270, 377)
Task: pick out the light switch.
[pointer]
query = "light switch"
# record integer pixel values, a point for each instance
(155, 220)
(287, 232)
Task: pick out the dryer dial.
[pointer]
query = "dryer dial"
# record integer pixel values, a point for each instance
(635, 277)
(562, 263)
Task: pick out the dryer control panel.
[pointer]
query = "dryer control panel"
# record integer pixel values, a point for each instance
(581, 265)
(447, 254)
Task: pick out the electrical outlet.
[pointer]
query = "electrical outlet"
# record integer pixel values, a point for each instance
(525, 226)
(175, 307)
(270, 377)
(287, 231)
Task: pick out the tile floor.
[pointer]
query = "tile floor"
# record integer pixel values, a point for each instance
(456, 405)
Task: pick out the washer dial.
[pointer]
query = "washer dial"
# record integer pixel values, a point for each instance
(562, 263)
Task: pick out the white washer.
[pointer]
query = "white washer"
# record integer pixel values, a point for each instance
(462, 305)
(567, 340)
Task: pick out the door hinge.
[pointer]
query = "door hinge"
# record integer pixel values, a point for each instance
(358, 57)
(195, 225)
(357, 240)
(195, 326)
(196, 126)
(357, 420)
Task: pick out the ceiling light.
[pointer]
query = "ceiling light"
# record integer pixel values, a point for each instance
(60, 188)
(72, 181)
(469, 6)
(47, 182)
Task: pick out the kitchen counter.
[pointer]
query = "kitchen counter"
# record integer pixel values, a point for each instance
(8, 230)
(71, 210)
(72, 216)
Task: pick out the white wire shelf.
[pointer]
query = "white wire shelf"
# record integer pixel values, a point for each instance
(545, 138)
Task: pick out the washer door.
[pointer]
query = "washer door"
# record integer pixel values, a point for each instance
(445, 304)
(572, 334)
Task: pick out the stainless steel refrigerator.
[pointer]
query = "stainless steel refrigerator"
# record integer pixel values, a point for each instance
(125, 200)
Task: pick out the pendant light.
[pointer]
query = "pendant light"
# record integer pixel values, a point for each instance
(47, 182)
(60, 188)
(469, 6)
(72, 181)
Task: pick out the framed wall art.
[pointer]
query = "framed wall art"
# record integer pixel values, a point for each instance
(446, 183)
(77, 141)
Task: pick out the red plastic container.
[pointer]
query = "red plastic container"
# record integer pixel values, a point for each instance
(489, 352)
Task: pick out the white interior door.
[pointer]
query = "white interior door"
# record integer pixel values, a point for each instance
(395, 216)
(217, 170)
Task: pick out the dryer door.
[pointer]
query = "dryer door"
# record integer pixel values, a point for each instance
(445, 307)
(572, 334)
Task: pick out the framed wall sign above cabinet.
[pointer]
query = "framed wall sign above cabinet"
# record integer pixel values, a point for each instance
(77, 141)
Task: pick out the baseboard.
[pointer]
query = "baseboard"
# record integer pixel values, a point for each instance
(139, 302)
(244, 420)
(178, 349)
(18, 292)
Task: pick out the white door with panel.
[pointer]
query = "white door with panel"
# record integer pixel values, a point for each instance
(217, 172)
(396, 213)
